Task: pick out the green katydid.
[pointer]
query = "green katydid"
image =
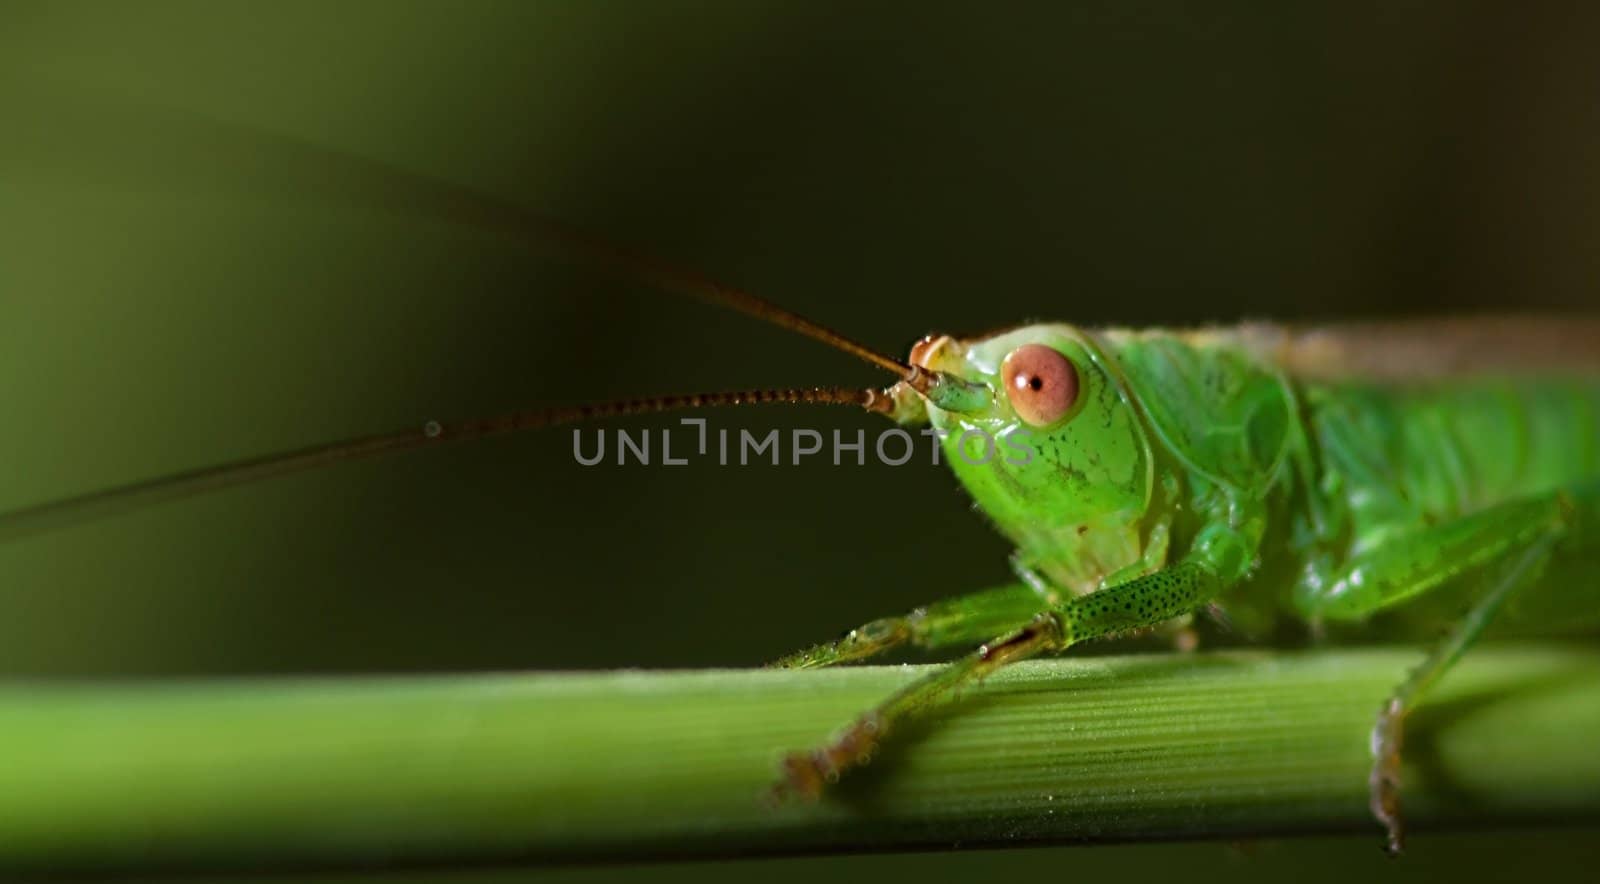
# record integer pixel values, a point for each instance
(1228, 468)
(1266, 473)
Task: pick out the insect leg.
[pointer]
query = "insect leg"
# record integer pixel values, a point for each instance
(1512, 541)
(1383, 783)
(1142, 602)
(961, 620)
(1409, 564)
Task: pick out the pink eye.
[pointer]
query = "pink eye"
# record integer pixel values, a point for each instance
(1041, 383)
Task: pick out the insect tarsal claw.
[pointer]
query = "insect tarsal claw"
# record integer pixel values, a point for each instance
(801, 776)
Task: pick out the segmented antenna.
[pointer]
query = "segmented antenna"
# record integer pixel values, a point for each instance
(110, 501)
(668, 277)
(283, 162)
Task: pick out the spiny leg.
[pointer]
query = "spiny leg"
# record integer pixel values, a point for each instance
(959, 621)
(1512, 540)
(1137, 604)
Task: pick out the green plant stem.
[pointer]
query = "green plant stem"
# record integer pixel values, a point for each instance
(549, 767)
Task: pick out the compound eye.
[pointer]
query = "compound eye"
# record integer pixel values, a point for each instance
(1041, 383)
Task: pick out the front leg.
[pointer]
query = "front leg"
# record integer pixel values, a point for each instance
(967, 619)
(1137, 604)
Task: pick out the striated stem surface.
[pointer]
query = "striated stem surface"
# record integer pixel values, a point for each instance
(633, 765)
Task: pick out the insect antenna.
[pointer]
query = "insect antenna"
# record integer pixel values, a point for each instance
(668, 277)
(196, 147)
(111, 501)
(281, 162)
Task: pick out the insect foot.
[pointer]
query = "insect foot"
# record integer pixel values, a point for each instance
(806, 774)
(1383, 784)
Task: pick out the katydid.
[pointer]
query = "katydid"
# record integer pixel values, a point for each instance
(1254, 471)
(1269, 474)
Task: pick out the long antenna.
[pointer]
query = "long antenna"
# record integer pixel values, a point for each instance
(213, 152)
(285, 164)
(647, 268)
(109, 501)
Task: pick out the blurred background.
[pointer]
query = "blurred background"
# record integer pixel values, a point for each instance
(221, 234)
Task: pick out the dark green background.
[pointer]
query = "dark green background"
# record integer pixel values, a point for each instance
(171, 296)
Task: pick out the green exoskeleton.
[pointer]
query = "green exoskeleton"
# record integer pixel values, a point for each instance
(1263, 473)
(1269, 475)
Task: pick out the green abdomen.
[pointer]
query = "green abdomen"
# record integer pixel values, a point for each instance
(1395, 459)
(1439, 451)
